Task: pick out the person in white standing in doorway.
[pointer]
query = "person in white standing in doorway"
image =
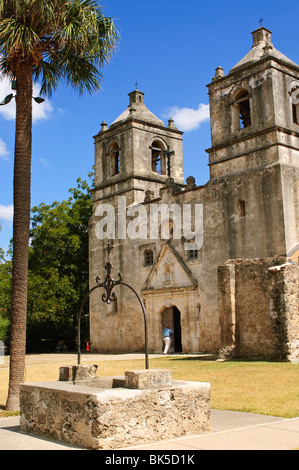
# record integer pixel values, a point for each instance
(166, 336)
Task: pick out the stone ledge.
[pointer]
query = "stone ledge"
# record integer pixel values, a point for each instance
(100, 418)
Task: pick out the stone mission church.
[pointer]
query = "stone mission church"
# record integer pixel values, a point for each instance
(235, 293)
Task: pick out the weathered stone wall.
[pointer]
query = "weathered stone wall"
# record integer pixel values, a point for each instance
(284, 309)
(290, 188)
(258, 305)
(227, 234)
(114, 418)
(112, 330)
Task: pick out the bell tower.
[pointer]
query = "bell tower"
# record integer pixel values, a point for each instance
(134, 158)
(137, 153)
(254, 155)
(254, 111)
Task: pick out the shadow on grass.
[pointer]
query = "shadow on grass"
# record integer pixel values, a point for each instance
(215, 358)
(200, 357)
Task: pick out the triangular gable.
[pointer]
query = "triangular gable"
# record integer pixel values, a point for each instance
(169, 271)
(293, 253)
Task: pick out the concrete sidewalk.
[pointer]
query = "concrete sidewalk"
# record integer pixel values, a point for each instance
(230, 430)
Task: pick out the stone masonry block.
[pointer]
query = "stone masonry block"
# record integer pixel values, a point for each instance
(147, 379)
(65, 373)
(84, 372)
(79, 372)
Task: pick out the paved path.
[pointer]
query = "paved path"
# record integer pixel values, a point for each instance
(34, 360)
(230, 431)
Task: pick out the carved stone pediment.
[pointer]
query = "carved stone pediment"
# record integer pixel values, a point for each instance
(169, 272)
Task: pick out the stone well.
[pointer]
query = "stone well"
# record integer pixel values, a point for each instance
(114, 412)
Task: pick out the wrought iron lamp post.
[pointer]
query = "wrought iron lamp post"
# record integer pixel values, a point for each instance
(109, 296)
(9, 97)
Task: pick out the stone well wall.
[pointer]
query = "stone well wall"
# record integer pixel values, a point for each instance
(100, 418)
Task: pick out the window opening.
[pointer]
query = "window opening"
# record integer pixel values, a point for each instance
(295, 114)
(148, 257)
(295, 102)
(242, 110)
(193, 254)
(158, 164)
(242, 207)
(114, 159)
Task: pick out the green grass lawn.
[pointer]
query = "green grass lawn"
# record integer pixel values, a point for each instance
(269, 388)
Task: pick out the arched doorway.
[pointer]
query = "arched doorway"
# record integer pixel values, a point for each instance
(172, 317)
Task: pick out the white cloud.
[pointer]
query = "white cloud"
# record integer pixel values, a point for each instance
(6, 212)
(44, 162)
(8, 111)
(188, 119)
(40, 111)
(3, 150)
(63, 111)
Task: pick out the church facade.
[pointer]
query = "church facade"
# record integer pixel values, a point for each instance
(217, 263)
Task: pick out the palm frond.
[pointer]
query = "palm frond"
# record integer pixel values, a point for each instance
(47, 74)
(82, 75)
(67, 40)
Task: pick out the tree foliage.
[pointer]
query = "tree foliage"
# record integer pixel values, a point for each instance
(58, 267)
(58, 272)
(5, 296)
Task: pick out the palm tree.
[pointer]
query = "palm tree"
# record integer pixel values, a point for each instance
(45, 41)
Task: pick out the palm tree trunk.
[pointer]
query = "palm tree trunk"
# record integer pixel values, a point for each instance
(21, 225)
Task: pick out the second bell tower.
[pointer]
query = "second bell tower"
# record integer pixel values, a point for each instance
(254, 111)
(254, 155)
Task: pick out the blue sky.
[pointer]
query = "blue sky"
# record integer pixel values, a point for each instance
(171, 48)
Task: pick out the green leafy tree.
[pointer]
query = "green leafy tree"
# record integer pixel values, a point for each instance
(48, 41)
(58, 275)
(58, 266)
(5, 296)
